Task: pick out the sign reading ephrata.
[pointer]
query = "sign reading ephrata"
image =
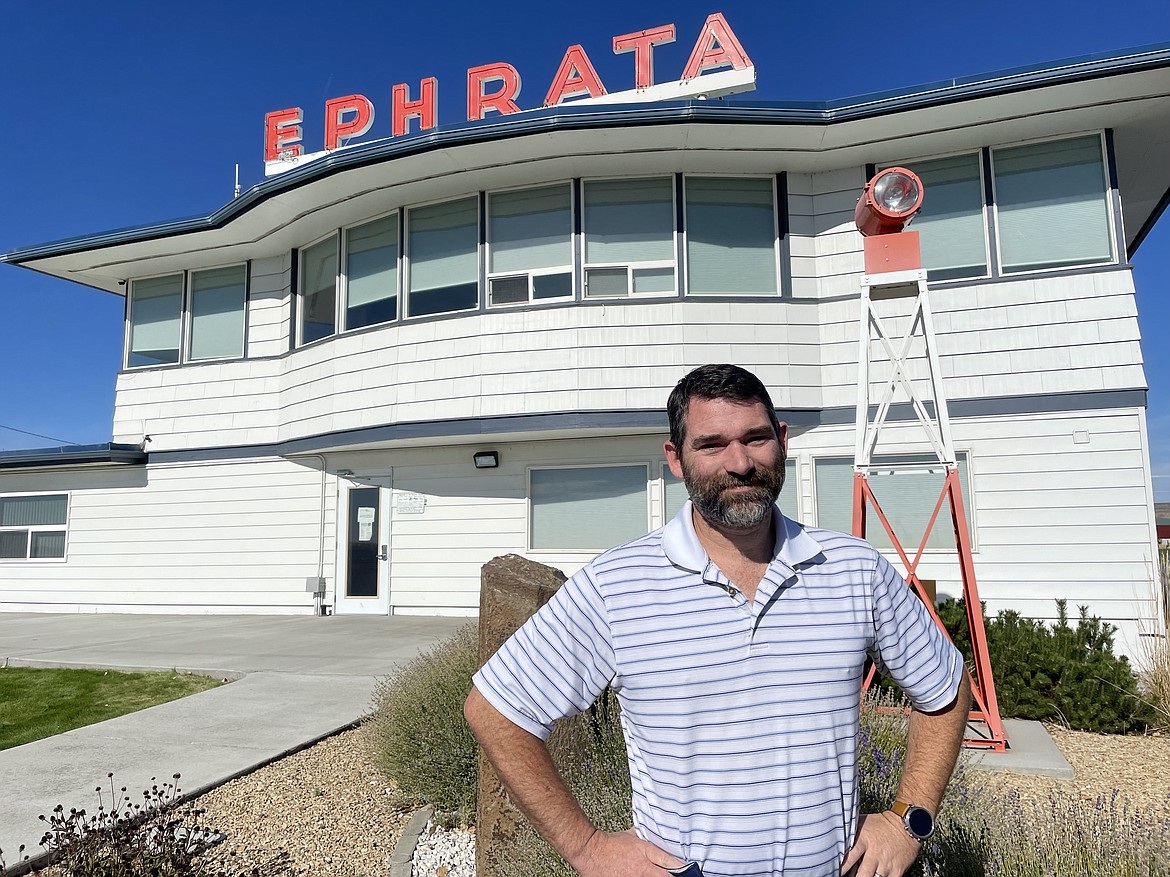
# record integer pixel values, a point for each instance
(494, 88)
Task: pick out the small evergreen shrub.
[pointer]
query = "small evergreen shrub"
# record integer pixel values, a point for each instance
(419, 736)
(1060, 673)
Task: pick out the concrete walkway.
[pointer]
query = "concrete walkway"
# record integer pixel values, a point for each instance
(297, 679)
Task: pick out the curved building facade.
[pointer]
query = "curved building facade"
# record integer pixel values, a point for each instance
(374, 372)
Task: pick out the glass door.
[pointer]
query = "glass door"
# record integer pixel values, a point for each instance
(363, 580)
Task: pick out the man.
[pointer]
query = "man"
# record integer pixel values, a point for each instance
(736, 641)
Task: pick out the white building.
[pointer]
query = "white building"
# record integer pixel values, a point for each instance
(311, 370)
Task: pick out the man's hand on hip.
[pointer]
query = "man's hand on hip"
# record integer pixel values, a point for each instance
(884, 847)
(622, 854)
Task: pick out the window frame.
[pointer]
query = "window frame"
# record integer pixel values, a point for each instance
(531, 273)
(530, 507)
(189, 315)
(631, 266)
(300, 291)
(990, 242)
(777, 240)
(41, 528)
(990, 209)
(968, 506)
(1115, 250)
(342, 319)
(406, 260)
(128, 334)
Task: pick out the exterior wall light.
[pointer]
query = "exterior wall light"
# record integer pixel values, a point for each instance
(887, 204)
(486, 459)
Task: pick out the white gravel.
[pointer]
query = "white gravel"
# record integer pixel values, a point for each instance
(444, 853)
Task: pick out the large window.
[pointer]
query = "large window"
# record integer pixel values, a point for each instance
(731, 236)
(371, 273)
(1051, 209)
(318, 305)
(588, 508)
(952, 230)
(906, 487)
(1051, 201)
(156, 320)
(675, 492)
(443, 248)
(530, 251)
(33, 527)
(217, 313)
(629, 237)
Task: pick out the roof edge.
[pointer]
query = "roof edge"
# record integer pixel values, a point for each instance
(572, 116)
(73, 455)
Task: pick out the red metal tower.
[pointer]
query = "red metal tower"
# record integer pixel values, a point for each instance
(893, 271)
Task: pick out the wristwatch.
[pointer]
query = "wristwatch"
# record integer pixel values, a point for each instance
(918, 821)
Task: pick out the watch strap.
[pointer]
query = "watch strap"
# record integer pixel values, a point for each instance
(901, 808)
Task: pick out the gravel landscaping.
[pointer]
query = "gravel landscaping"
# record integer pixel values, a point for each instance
(332, 811)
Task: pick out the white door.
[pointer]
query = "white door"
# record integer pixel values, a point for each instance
(363, 547)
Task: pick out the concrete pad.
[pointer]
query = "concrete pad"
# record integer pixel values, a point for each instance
(1031, 752)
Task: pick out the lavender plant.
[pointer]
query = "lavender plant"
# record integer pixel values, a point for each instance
(1064, 837)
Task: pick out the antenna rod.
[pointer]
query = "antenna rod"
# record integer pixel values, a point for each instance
(237, 195)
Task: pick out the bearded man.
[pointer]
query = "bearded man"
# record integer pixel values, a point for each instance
(736, 641)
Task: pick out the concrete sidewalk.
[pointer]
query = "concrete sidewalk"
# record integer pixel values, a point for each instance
(298, 679)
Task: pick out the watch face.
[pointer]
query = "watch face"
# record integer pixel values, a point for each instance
(920, 822)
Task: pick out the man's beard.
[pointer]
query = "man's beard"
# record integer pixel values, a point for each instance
(743, 509)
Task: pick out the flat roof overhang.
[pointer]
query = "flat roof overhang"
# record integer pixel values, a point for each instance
(1128, 93)
(72, 456)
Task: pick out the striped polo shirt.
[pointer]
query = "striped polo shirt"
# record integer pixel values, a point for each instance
(740, 719)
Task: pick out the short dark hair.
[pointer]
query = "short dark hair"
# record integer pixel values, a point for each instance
(714, 381)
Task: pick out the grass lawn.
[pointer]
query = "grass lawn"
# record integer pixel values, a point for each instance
(37, 703)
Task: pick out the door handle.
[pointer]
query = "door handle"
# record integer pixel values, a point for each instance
(385, 555)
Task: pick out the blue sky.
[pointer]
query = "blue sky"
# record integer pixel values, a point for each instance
(122, 113)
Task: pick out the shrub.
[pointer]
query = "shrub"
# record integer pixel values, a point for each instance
(1067, 837)
(164, 836)
(984, 829)
(419, 737)
(589, 750)
(958, 846)
(1154, 680)
(1059, 673)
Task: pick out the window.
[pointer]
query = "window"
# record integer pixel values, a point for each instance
(587, 509)
(371, 273)
(629, 237)
(950, 224)
(907, 491)
(443, 248)
(1051, 202)
(675, 492)
(33, 527)
(530, 250)
(318, 305)
(156, 318)
(731, 236)
(217, 313)
(1051, 209)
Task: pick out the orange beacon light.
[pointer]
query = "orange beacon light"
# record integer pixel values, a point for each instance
(888, 201)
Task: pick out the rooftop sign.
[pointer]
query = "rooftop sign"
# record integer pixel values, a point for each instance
(494, 88)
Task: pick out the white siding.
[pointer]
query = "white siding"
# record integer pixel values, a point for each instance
(198, 537)
(268, 307)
